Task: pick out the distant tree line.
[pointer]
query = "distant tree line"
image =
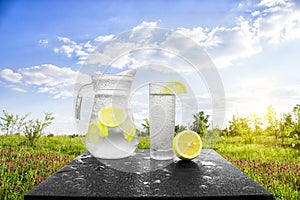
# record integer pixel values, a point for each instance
(199, 125)
(286, 126)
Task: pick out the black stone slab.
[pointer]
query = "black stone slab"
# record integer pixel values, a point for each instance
(208, 176)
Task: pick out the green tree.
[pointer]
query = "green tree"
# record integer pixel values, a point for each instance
(296, 131)
(146, 126)
(11, 123)
(200, 123)
(285, 126)
(235, 127)
(272, 122)
(6, 122)
(19, 123)
(255, 124)
(239, 126)
(179, 128)
(34, 129)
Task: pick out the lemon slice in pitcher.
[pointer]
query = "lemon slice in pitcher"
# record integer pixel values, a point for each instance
(93, 134)
(104, 129)
(174, 87)
(129, 130)
(111, 117)
(187, 145)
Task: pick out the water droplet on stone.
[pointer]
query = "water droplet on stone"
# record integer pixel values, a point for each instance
(207, 177)
(157, 181)
(165, 170)
(208, 163)
(78, 179)
(105, 181)
(127, 163)
(203, 186)
(68, 182)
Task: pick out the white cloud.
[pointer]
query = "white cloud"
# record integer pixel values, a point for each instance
(48, 74)
(227, 44)
(235, 44)
(73, 49)
(46, 78)
(279, 21)
(17, 89)
(270, 20)
(43, 42)
(104, 38)
(122, 62)
(145, 24)
(198, 34)
(64, 39)
(255, 13)
(143, 32)
(9, 75)
(271, 3)
(274, 20)
(69, 48)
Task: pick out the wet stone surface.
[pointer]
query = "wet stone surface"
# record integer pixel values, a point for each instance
(208, 176)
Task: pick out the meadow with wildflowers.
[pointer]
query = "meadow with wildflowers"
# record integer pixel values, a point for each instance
(22, 167)
(275, 167)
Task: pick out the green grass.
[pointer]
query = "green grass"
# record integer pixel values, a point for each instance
(275, 167)
(22, 167)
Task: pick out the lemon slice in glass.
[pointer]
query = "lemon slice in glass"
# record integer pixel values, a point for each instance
(174, 87)
(94, 133)
(187, 145)
(111, 117)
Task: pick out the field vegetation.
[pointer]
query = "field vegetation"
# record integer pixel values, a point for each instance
(267, 149)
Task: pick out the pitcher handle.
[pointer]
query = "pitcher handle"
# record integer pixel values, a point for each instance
(79, 100)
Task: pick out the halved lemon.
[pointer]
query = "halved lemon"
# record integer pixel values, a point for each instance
(174, 87)
(111, 117)
(93, 133)
(187, 145)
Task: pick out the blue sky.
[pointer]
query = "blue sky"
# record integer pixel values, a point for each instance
(254, 45)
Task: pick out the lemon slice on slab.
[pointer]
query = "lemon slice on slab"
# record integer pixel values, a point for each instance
(111, 117)
(187, 145)
(174, 87)
(94, 133)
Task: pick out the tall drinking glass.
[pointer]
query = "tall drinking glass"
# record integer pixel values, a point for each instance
(162, 121)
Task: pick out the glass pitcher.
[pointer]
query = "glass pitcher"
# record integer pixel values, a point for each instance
(111, 130)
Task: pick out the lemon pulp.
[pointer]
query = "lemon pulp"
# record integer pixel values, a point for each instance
(187, 145)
